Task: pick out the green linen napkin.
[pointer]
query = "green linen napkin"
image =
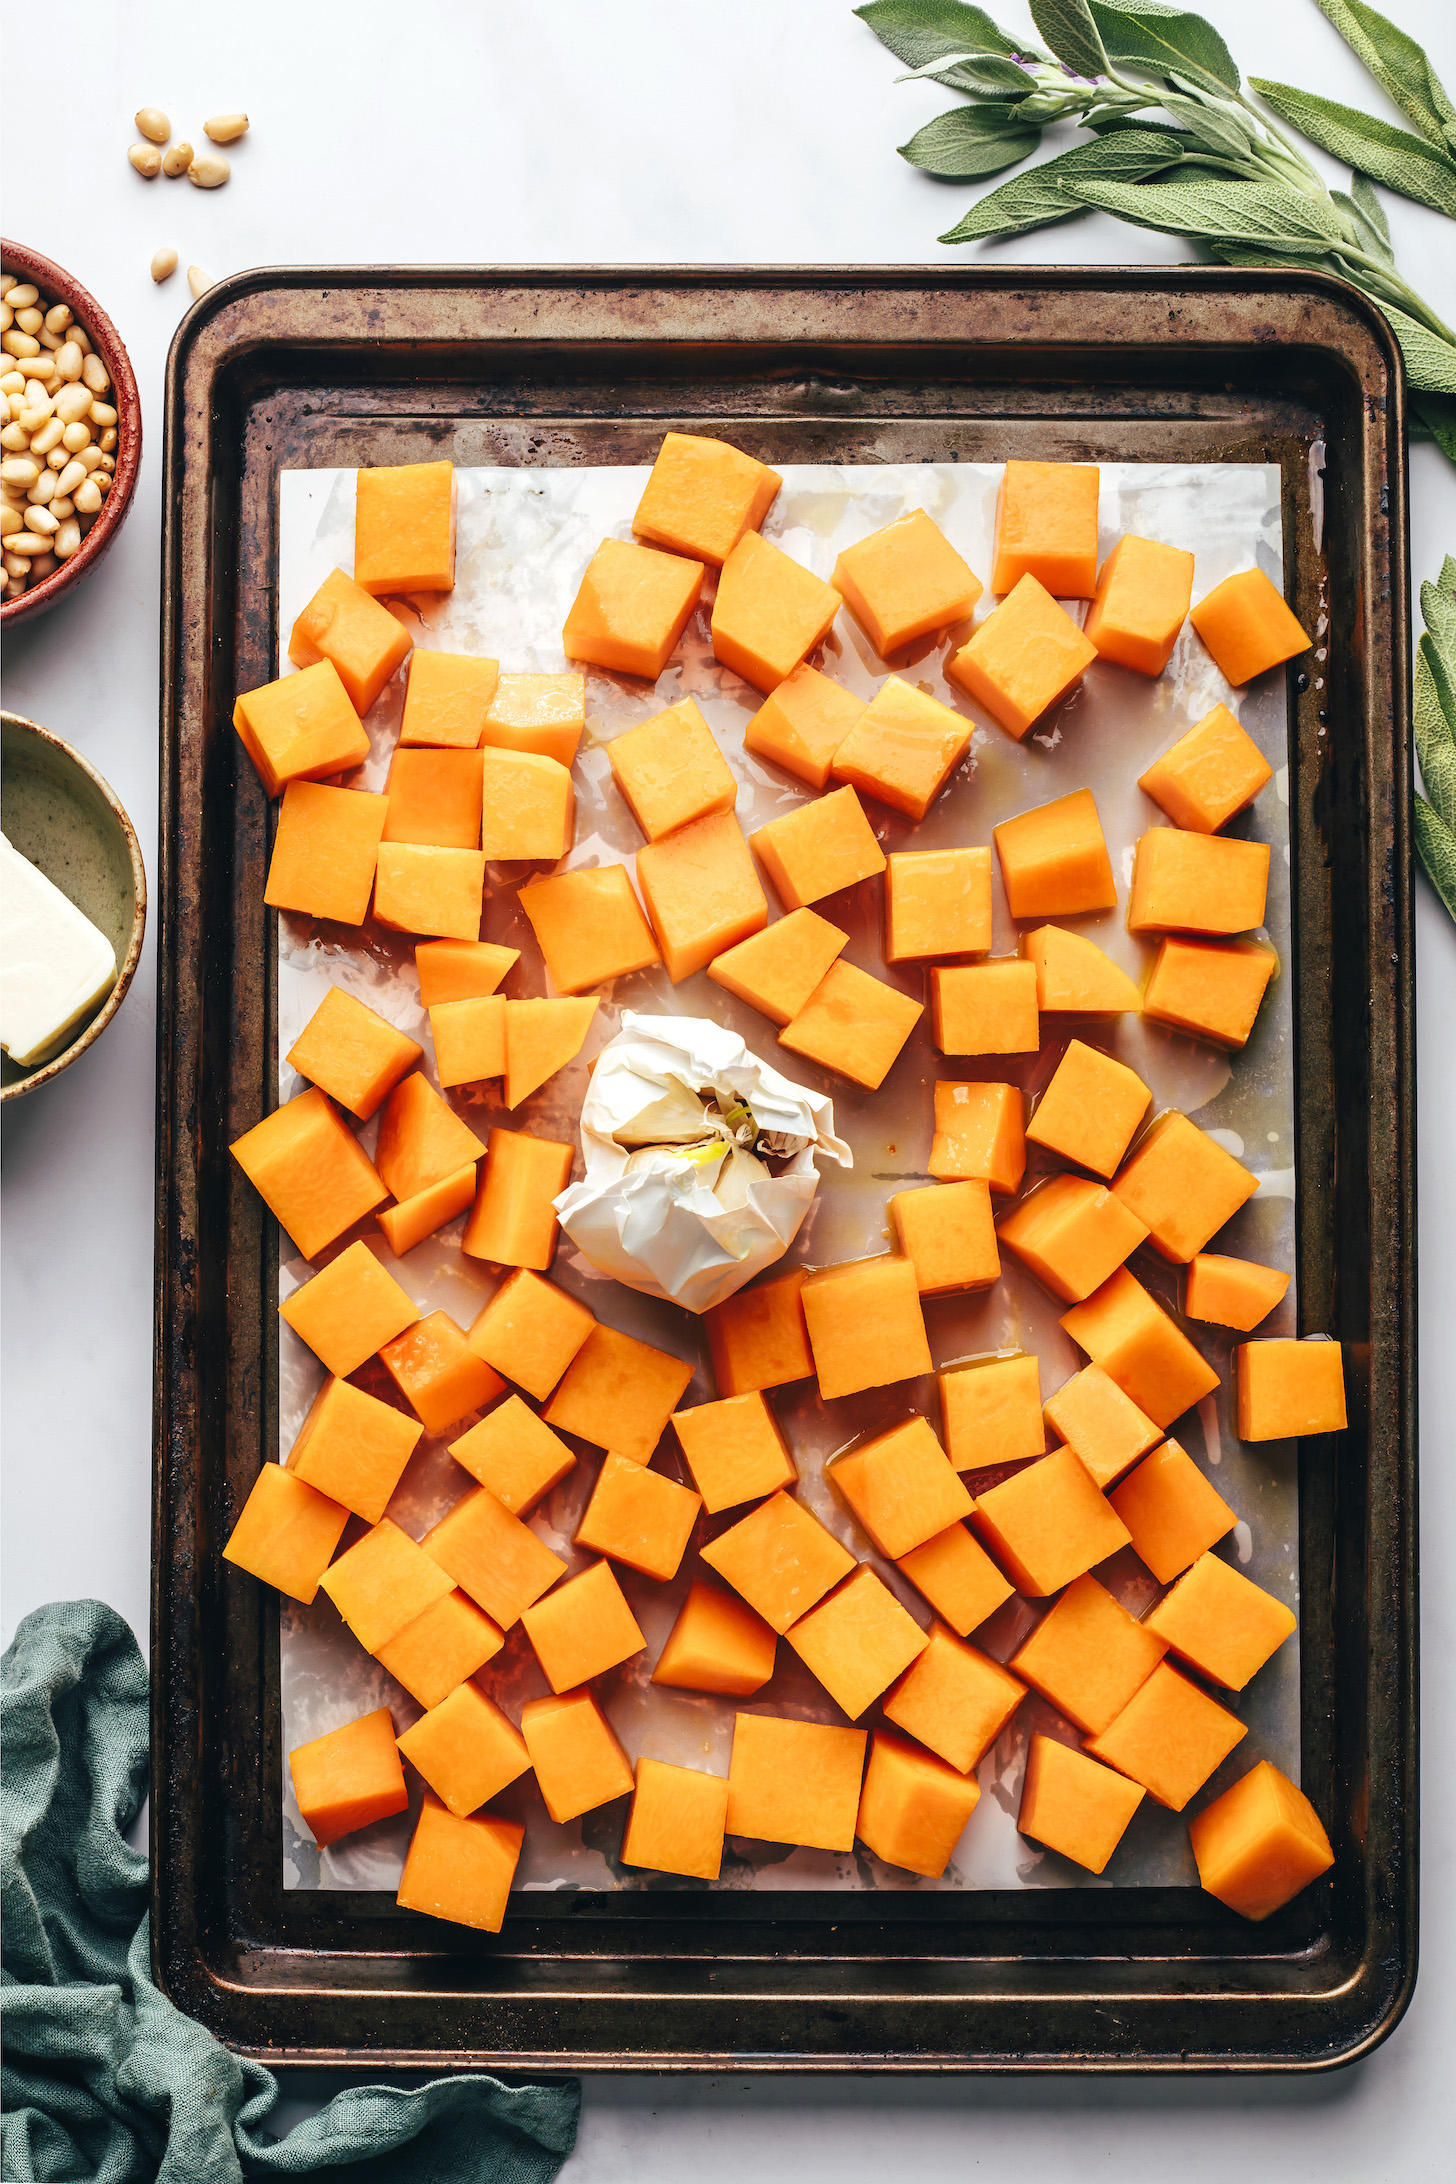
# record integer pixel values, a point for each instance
(103, 2077)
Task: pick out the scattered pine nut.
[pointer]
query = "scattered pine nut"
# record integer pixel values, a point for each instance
(197, 280)
(226, 128)
(178, 159)
(153, 124)
(164, 264)
(146, 159)
(208, 171)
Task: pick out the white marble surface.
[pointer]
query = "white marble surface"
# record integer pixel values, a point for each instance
(649, 132)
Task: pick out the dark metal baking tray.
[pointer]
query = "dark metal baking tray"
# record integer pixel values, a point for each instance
(302, 366)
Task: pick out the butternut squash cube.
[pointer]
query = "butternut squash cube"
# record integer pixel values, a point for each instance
(1170, 1737)
(542, 1037)
(701, 891)
(633, 606)
(1259, 1844)
(492, 1556)
(717, 1644)
(382, 1583)
(349, 1310)
(955, 1700)
(421, 1139)
(937, 903)
(1289, 1388)
(903, 748)
(300, 728)
(866, 1328)
(1046, 522)
(758, 1338)
(589, 927)
(579, 1763)
(1090, 1110)
(770, 612)
(461, 970)
(1072, 1233)
(1131, 1337)
(353, 1448)
(286, 1533)
(1220, 1623)
(469, 1038)
(466, 1749)
(958, 1578)
(794, 1781)
(435, 1369)
(349, 1778)
(1172, 1512)
(446, 696)
(1024, 659)
(802, 723)
(434, 798)
(822, 847)
(1247, 626)
(946, 1232)
(1054, 860)
(638, 1517)
(1197, 883)
(531, 1331)
(913, 1808)
(461, 1869)
(361, 640)
(350, 1052)
(545, 713)
(1143, 593)
(325, 851)
(1102, 1427)
(1087, 1655)
(854, 1024)
(1183, 1185)
(991, 1412)
(900, 1488)
(307, 1167)
(675, 1824)
(1209, 988)
(421, 889)
(671, 771)
(1231, 1292)
(777, 969)
(440, 1648)
(584, 1627)
(734, 1450)
(780, 1558)
(985, 1008)
(980, 1135)
(905, 582)
(1209, 774)
(404, 529)
(1073, 974)
(700, 499)
(1072, 1805)
(1048, 1524)
(620, 1391)
(515, 1454)
(857, 1641)
(410, 1222)
(513, 1221)
(529, 808)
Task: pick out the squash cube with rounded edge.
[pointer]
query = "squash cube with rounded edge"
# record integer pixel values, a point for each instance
(780, 1558)
(671, 771)
(434, 798)
(937, 903)
(819, 849)
(1209, 988)
(1210, 773)
(420, 1215)
(1288, 1388)
(758, 1337)
(980, 1134)
(1132, 1338)
(344, 625)
(1183, 1186)
(382, 1583)
(903, 748)
(954, 1699)
(404, 529)
(675, 1824)
(1073, 1234)
(301, 728)
(991, 1412)
(1091, 1110)
(421, 889)
(545, 713)
(353, 1448)
(701, 498)
(639, 1517)
(734, 1450)
(578, 1761)
(853, 1024)
(513, 1221)
(446, 695)
(702, 893)
(348, 1778)
(309, 1170)
(528, 809)
(776, 969)
(1087, 1655)
(900, 1487)
(905, 582)
(1048, 1524)
(717, 1644)
(1231, 1292)
(286, 1533)
(491, 1555)
(1046, 523)
(985, 1008)
(795, 1781)
(541, 1038)
(515, 1454)
(1220, 1623)
(1170, 1737)
(866, 1327)
(770, 612)
(589, 927)
(1143, 594)
(461, 1870)
(439, 1649)
(1073, 975)
(1197, 883)
(349, 1310)
(1259, 1844)
(633, 605)
(1073, 1805)
(421, 1139)
(913, 1808)
(531, 1331)
(467, 1750)
(1024, 659)
(618, 1390)
(959, 1579)
(325, 851)
(435, 1369)
(857, 1641)
(946, 1232)
(1103, 1428)
(1054, 860)
(461, 970)
(1172, 1512)
(801, 725)
(469, 1038)
(350, 1052)
(1247, 626)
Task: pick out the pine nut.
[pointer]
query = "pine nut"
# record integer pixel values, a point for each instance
(67, 539)
(95, 374)
(7, 318)
(13, 382)
(11, 520)
(76, 436)
(107, 442)
(19, 344)
(7, 282)
(21, 296)
(82, 339)
(49, 436)
(69, 361)
(15, 439)
(102, 414)
(87, 498)
(226, 128)
(41, 367)
(178, 159)
(164, 264)
(208, 171)
(107, 462)
(153, 124)
(15, 565)
(146, 159)
(41, 520)
(102, 483)
(198, 281)
(19, 470)
(28, 542)
(73, 403)
(68, 479)
(7, 411)
(62, 506)
(48, 340)
(58, 318)
(58, 457)
(42, 564)
(44, 488)
(34, 415)
(90, 457)
(30, 321)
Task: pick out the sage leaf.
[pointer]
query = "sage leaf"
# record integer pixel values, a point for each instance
(1393, 156)
(1398, 65)
(1069, 30)
(1164, 39)
(1362, 189)
(917, 31)
(1434, 746)
(1218, 128)
(971, 140)
(978, 72)
(1430, 362)
(1443, 688)
(1367, 217)
(1269, 215)
(1437, 412)
(1439, 609)
(1036, 199)
(1437, 847)
(1446, 581)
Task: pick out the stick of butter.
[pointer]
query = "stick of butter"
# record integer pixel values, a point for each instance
(55, 966)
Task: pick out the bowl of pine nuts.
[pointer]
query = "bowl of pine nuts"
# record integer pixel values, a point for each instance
(70, 432)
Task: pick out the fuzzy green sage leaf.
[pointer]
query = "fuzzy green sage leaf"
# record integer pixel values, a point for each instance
(1269, 215)
(1069, 30)
(1436, 845)
(971, 140)
(1403, 162)
(1399, 66)
(1166, 40)
(1037, 198)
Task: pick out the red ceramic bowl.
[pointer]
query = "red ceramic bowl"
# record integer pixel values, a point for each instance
(57, 286)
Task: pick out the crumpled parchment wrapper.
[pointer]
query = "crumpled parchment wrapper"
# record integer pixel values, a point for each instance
(675, 1201)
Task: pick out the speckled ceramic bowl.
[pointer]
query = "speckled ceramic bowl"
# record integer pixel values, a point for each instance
(58, 812)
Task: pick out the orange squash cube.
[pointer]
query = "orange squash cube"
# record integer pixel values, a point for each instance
(1102, 1427)
(937, 903)
(857, 1641)
(770, 612)
(671, 771)
(1054, 860)
(308, 1169)
(1259, 1844)
(382, 1583)
(955, 1700)
(325, 851)
(529, 810)
(492, 1556)
(1231, 1292)
(469, 1038)
(903, 748)
(638, 1517)
(985, 1008)
(467, 1749)
(1090, 1110)
(1048, 1524)
(1088, 1656)
(900, 1488)
(701, 498)
(515, 1454)
(913, 1808)
(545, 713)
(361, 640)
(980, 1135)
(579, 1763)
(780, 1558)
(513, 1221)
(794, 1781)
(675, 1824)
(1172, 1512)
(434, 798)
(300, 728)
(584, 1627)
(854, 1024)
(633, 606)
(1210, 773)
(1170, 1737)
(819, 849)
(958, 1578)
(421, 889)
(286, 1533)
(905, 582)
(404, 529)
(446, 695)
(531, 1331)
(421, 1139)
(440, 1648)
(802, 723)
(702, 893)
(717, 1644)
(1143, 594)
(1131, 1337)
(417, 1217)
(461, 970)
(589, 927)
(1220, 1623)
(734, 1450)
(1046, 522)
(619, 1391)
(1247, 626)
(758, 1338)
(349, 1778)
(542, 1037)
(1024, 659)
(866, 1328)
(1072, 1805)
(777, 969)
(946, 1232)
(1289, 1388)
(435, 1369)
(1073, 1234)
(1074, 975)
(1183, 1185)
(1210, 988)
(353, 1448)
(461, 1870)
(350, 1052)
(349, 1310)
(991, 1412)
(1197, 883)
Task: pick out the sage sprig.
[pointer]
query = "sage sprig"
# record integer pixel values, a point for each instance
(1435, 734)
(1178, 144)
